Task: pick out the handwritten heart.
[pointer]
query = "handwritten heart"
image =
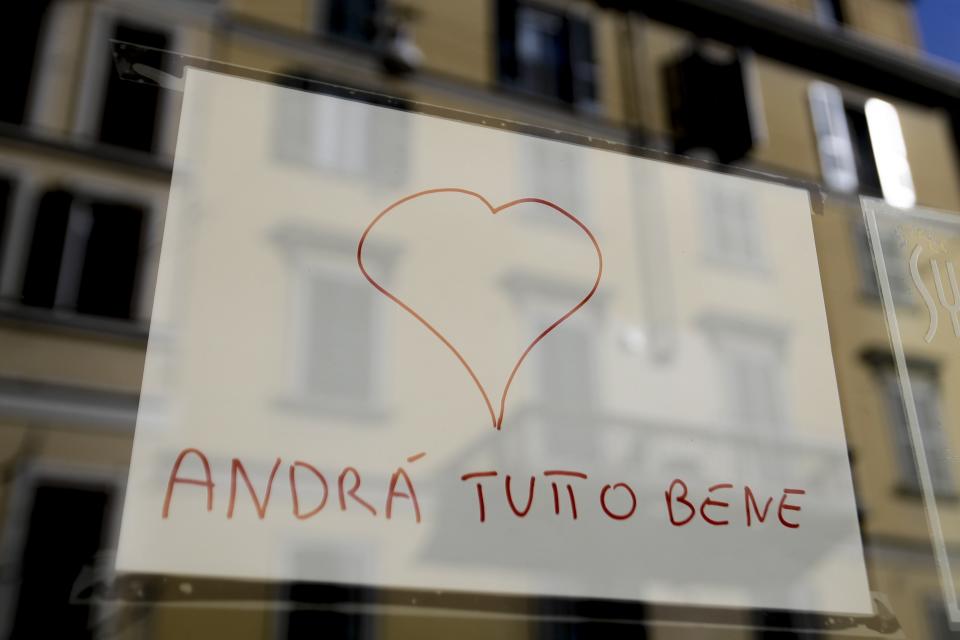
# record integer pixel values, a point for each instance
(495, 417)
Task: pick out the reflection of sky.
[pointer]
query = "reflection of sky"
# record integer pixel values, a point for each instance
(939, 22)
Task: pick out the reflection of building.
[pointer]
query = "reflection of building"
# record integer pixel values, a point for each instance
(85, 160)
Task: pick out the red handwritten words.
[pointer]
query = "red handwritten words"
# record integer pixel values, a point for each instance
(619, 501)
(571, 494)
(348, 486)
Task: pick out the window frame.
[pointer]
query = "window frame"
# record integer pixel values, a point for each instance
(309, 254)
(507, 80)
(89, 107)
(91, 188)
(29, 477)
(908, 480)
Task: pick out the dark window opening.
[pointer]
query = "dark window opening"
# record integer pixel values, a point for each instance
(546, 52)
(20, 26)
(304, 623)
(353, 19)
(131, 109)
(831, 11)
(83, 255)
(709, 105)
(867, 174)
(54, 558)
(6, 191)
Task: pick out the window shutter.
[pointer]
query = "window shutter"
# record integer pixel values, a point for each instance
(890, 153)
(837, 162)
(340, 341)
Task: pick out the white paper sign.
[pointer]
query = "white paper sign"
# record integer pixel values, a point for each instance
(395, 350)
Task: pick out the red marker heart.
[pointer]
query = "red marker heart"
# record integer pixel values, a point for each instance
(495, 417)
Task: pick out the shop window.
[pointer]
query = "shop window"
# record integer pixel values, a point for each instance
(354, 20)
(20, 27)
(546, 52)
(83, 255)
(52, 559)
(925, 384)
(131, 110)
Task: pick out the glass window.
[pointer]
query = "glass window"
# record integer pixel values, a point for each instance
(84, 255)
(21, 25)
(52, 559)
(354, 20)
(547, 52)
(926, 392)
(131, 109)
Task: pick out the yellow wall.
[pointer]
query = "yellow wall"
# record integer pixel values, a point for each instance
(889, 21)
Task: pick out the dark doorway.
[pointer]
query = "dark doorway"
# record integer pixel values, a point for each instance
(66, 530)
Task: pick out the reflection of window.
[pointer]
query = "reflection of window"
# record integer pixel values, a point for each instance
(563, 368)
(52, 561)
(83, 255)
(867, 175)
(925, 384)
(337, 351)
(6, 193)
(309, 560)
(334, 134)
(556, 173)
(938, 620)
(338, 340)
(830, 12)
(20, 26)
(731, 227)
(897, 270)
(546, 52)
(861, 145)
(752, 366)
(131, 109)
(754, 369)
(351, 19)
(340, 136)
(566, 385)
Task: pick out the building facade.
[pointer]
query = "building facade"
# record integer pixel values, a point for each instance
(86, 161)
